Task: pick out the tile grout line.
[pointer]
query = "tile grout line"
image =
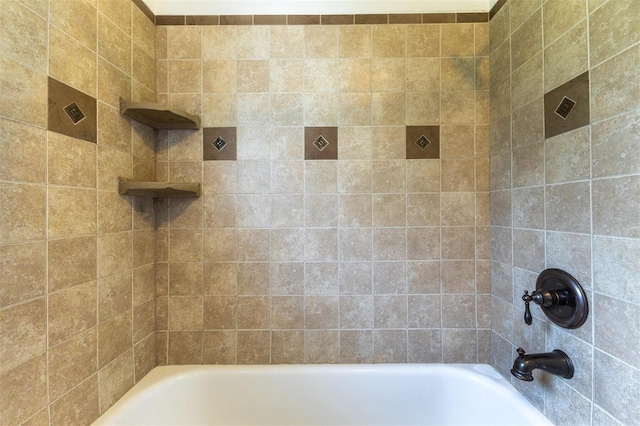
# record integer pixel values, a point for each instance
(591, 225)
(46, 233)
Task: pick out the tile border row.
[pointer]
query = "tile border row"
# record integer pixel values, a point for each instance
(377, 19)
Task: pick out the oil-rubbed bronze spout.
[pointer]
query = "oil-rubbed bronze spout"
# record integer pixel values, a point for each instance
(555, 362)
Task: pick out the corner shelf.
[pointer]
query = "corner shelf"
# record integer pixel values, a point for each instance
(158, 116)
(159, 189)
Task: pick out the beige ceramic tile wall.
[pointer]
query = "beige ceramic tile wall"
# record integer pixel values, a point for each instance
(76, 259)
(370, 258)
(570, 202)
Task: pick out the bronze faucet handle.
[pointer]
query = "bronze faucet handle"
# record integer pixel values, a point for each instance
(521, 352)
(527, 312)
(544, 298)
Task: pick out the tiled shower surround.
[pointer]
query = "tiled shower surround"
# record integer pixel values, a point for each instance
(77, 325)
(372, 257)
(367, 258)
(571, 201)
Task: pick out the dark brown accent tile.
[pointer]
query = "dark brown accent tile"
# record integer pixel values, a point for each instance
(405, 18)
(170, 20)
(236, 19)
(563, 115)
(418, 133)
(328, 152)
(228, 139)
(77, 121)
(472, 17)
(438, 18)
(337, 19)
(203, 20)
(372, 19)
(270, 20)
(496, 8)
(144, 9)
(303, 19)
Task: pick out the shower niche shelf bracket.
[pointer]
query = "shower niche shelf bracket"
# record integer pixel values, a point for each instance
(159, 189)
(158, 116)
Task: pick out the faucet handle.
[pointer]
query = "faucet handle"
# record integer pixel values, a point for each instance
(521, 353)
(527, 312)
(543, 298)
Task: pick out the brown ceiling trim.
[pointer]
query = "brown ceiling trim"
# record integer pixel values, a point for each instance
(144, 9)
(269, 19)
(405, 18)
(438, 18)
(236, 19)
(337, 20)
(371, 19)
(170, 20)
(496, 8)
(202, 20)
(303, 19)
(472, 17)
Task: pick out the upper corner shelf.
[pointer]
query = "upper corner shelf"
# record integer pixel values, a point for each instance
(159, 189)
(158, 116)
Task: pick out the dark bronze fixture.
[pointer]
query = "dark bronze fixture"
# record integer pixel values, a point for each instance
(561, 298)
(555, 362)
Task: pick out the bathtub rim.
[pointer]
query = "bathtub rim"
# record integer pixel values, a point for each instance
(160, 375)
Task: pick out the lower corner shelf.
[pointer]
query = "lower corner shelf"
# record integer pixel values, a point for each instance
(159, 189)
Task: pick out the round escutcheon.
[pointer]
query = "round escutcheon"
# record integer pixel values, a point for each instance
(574, 312)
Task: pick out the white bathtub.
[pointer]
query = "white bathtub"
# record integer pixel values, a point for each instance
(391, 394)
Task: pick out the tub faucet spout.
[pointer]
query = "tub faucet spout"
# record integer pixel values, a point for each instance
(555, 362)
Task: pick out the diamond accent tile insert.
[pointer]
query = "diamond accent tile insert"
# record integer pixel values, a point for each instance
(74, 113)
(423, 142)
(321, 143)
(565, 107)
(71, 112)
(219, 143)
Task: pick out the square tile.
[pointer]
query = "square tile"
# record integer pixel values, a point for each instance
(320, 143)
(423, 142)
(566, 107)
(71, 112)
(219, 143)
